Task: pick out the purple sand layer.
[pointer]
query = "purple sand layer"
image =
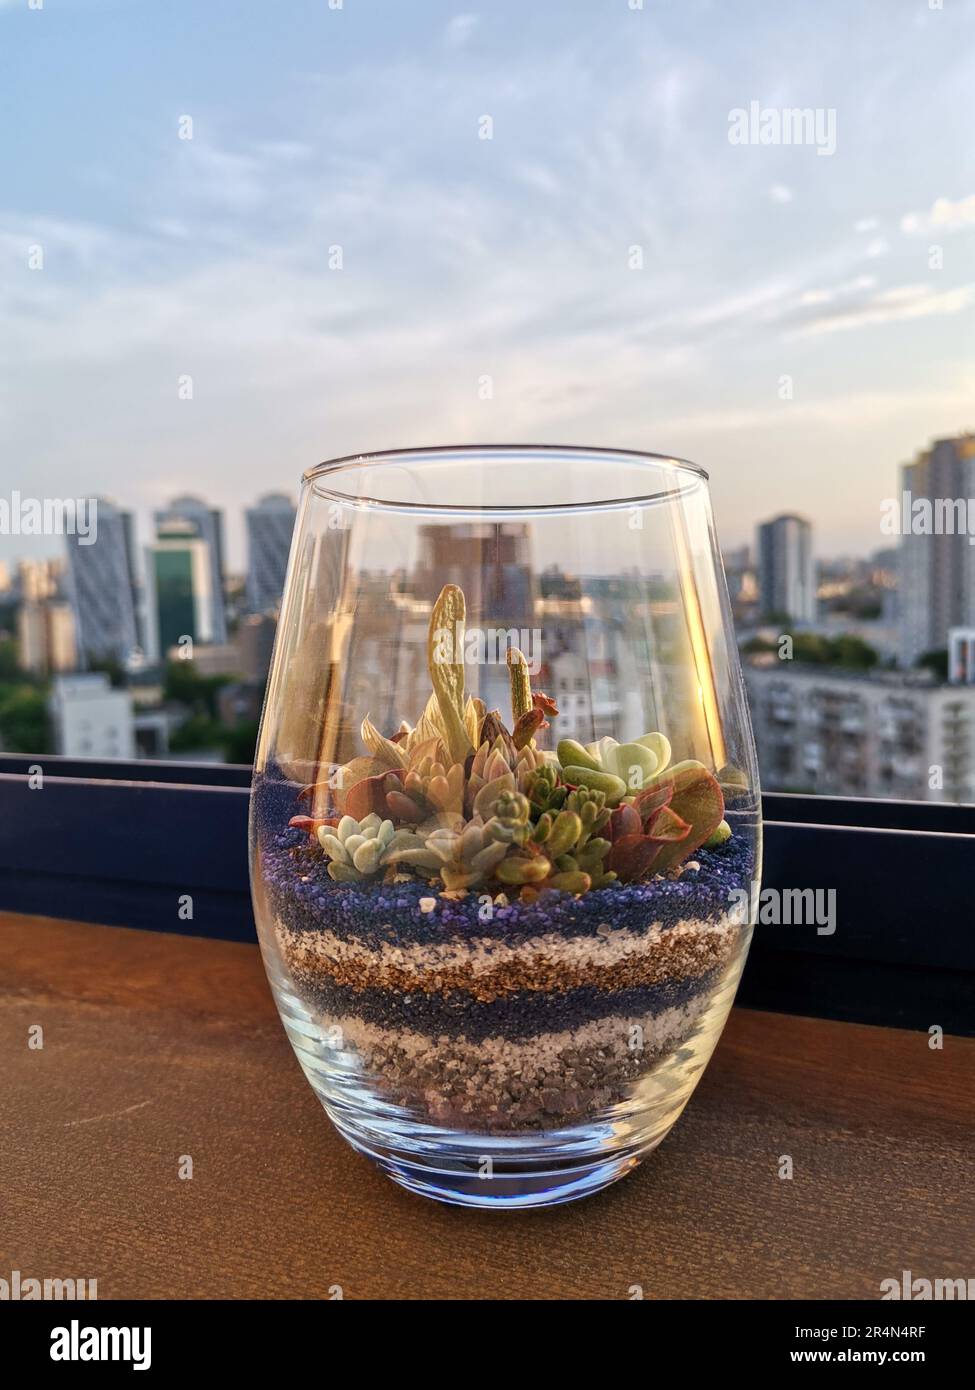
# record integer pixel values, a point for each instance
(305, 898)
(519, 1016)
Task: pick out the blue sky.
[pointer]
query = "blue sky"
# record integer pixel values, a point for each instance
(463, 258)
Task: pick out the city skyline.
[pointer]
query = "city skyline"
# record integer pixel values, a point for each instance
(833, 711)
(261, 523)
(180, 299)
(269, 519)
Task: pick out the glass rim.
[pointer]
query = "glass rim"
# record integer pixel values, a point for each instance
(320, 474)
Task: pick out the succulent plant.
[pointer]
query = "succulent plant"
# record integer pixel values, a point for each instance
(616, 769)
(666, 822)
(493, 732)
(637, 845)
(509, 818)
(697, 799)
(491, 772)
(526, 727)
(465, 858)
(356, 848)
(528, 708)
(591, 807)
(447, 669)
(573, 846)
(370, 796)
(520, 680)
(545, 789)
(719, 836)
(461, 798)
(521, 868)
(560, 851)
(429, 787)
(588, 853)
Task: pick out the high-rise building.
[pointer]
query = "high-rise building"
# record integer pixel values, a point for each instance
(269, 527)
(39, 579)
(786, 569)
(179, 593)
(206, 523)
(742, 582)
(843, 733)
(491, 562)
(101, 588)
(46, 637)
(936, 583)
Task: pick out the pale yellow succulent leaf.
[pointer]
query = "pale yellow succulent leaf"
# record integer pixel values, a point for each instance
(381, 747)
(445, 641)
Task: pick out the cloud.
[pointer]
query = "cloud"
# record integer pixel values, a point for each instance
(537, 177)
(943, 216)
(462, 258)
(891, 306)
(459, 29)
(844, 411)
(846, 288)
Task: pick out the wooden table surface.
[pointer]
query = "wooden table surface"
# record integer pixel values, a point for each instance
(160, 1046)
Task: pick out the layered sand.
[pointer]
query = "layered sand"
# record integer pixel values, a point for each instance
(505, 1015)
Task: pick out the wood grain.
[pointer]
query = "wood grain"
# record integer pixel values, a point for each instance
(159, 1046)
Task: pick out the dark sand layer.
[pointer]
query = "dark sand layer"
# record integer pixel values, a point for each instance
(459, 1014)
(304, 897)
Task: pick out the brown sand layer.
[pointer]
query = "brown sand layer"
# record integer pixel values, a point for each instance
(672, 955)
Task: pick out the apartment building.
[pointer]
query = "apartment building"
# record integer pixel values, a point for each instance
(873, 735)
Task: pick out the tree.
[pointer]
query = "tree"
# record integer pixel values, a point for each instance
(240, 742)
(112, 668)
(199, 731)
(23, 720)
(199, 693)
(9, 662)
(935, 661)
(812, 649)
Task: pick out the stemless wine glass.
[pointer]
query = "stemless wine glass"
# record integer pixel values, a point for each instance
(505, 823)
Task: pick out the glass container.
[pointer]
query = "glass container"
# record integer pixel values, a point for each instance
(505, 822)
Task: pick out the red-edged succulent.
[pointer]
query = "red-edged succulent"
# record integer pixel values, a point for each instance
(372, 794)
(360, 795)
(533, 720)
(665, 823)
(310, 824)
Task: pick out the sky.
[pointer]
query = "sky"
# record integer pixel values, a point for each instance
(173, 316)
